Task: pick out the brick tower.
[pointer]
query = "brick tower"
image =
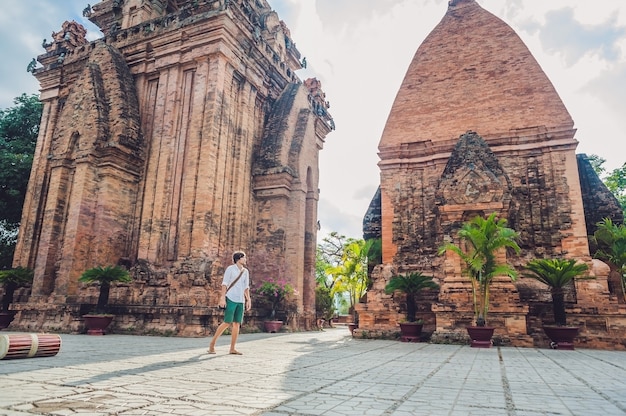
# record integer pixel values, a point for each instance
(476, 127)
(181, 136)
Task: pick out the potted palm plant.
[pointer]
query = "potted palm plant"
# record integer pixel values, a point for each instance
(11, 280)
(557, 274)
(410, 284)
(97, 321)
(480, 241)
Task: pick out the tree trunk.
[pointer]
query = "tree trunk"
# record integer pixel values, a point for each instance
(7, 300)
(103, 299)
(558, 306)
(410, 307)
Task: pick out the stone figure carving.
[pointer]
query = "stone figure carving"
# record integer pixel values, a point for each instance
(31, 65)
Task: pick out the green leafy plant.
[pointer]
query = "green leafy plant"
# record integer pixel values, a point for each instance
(275, 292)
(410, 284)
(104, 276)
(12, 279)
(609, 241)
(556, 274)
(324, 307)
(481, 239)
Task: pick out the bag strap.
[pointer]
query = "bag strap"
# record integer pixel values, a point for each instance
(235, 281)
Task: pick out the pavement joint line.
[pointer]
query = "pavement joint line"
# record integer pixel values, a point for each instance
(508, 394)
(329, 374)
(584, 382)
(303, 394)
(419, 385)
(582, 352)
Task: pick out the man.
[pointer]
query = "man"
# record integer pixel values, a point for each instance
(235, 297)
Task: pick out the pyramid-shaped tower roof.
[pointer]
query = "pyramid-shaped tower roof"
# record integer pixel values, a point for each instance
(472, 72)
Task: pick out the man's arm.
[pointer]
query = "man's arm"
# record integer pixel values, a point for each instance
(248, 301)
(222, 303)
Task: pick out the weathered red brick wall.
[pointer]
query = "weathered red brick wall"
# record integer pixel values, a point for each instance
(473, 74)
(158, 138)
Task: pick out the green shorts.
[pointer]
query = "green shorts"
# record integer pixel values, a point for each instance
(233, 312)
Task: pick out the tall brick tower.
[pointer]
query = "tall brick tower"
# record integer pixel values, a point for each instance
(181, 136)
(476, 128)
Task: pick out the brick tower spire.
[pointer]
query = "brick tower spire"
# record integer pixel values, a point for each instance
(472, 72)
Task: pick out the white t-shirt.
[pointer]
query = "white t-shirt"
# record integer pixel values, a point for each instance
(235, 293)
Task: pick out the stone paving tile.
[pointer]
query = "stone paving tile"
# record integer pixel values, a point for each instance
(31, 392)
(50, 375)
(389, 391)
(244, 396)
(5, 412)
(326, 373)
(584, 407)
(301, 384)
(185, 408)
(165, 388)
(466, 410)
(93, 403)
(434, 394)
(421, 409)
(107, 380)
(222, 377)
(334, 404)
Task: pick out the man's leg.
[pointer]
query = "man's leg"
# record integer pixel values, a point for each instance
(220, 330)
(233, 338)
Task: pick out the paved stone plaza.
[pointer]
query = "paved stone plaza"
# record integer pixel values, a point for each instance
(309, 373)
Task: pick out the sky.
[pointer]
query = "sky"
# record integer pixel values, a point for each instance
(360, 51)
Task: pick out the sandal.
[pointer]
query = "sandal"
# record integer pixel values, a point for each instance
(210, 351)
(234, 352)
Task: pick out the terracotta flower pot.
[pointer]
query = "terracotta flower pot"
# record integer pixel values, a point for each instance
(97, 324)
(562, 337)
(410, 331)
(480, 336)
(273, 326)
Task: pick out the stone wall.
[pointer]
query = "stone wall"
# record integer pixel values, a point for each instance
(478, 128)
(181, 136)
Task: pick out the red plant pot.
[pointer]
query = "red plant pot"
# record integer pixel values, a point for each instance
(410, 331)
(562, 337)
(97, 324)
(480, 336)
(273, 326)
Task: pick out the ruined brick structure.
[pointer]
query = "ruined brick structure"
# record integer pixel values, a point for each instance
(182, 135)
(476, 128)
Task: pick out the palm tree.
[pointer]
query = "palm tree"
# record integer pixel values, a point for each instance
(105, 276)
(410, 284)
(556, 274)
(351, 273)
(482, 239)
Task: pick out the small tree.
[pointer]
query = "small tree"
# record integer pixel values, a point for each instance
(104, 276)
(410, 284)
(8, 239)
(350, 274)
(11, 280)
(610, 246)
(556, 274)
(482, 238)
(19, 127)
(324, 307)
(274, 292)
